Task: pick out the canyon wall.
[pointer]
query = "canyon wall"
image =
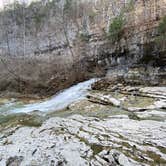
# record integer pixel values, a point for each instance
(48, 43)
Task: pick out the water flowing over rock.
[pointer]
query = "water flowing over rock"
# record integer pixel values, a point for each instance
(56, 102)
(50, 45)
(115, 126)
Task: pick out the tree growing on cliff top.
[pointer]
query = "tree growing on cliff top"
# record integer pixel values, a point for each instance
(117, 25)
(160, 39)
(116, 28)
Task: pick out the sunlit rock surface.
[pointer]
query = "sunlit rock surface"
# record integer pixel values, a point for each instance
(121, 127)
(79, 140)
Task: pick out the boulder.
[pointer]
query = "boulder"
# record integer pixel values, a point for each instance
(14, 161)
(104, 99)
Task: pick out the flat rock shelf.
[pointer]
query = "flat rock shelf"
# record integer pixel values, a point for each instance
(124, 127)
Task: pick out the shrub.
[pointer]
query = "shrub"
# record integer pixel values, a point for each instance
(162, 26)
(116, 28)
(160, 39)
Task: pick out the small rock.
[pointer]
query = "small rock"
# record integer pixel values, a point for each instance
(133, 116)
(52, 163)
(123, 160)
(60, 163)
(14, 161)
(7, 142)
(104, 99)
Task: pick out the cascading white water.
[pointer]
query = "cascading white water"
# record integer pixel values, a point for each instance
(59, 101)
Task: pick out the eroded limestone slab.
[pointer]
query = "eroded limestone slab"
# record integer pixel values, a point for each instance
(79, 140)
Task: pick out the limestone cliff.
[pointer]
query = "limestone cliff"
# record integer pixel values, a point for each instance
(47, 39)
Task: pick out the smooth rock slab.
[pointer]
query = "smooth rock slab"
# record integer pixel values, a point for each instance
(79, 140)
(104, 99)
(156, 92)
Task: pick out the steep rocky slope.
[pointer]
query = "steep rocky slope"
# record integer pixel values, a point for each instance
(41, 43)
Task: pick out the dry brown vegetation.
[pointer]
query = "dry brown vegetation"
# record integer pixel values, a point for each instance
(42, 76)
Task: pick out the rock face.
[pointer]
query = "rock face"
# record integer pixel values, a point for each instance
(94, 131)
(138, 75)
(79, 140)
(109, 95)
(44, 34)
(44, 47)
